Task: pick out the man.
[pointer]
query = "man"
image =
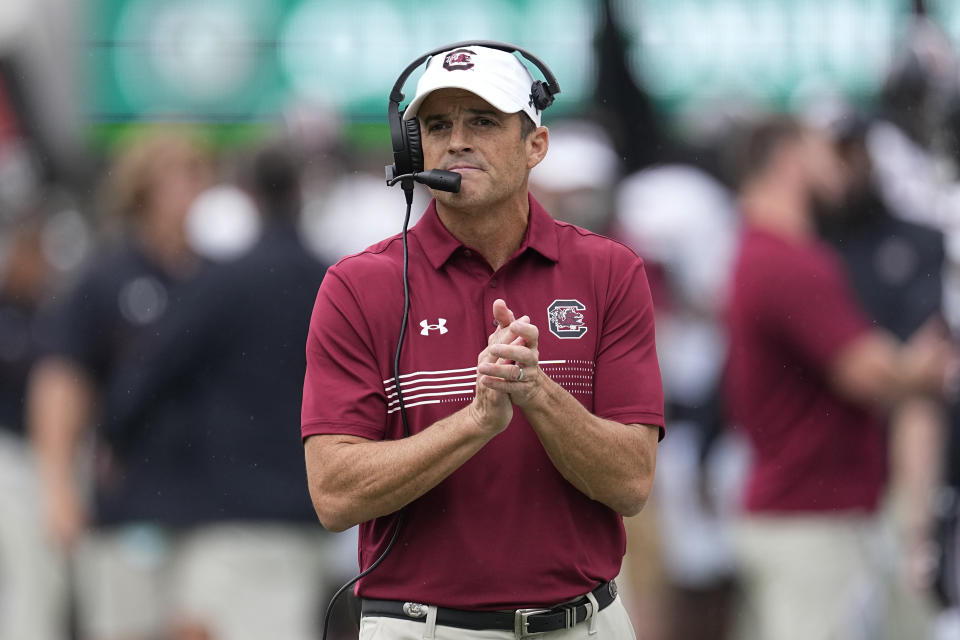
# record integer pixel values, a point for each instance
(529, 378)
(118, 300)
(807, 375)
(253, 557)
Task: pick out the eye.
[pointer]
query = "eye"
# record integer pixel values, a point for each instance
(437, 125)
(486, 122)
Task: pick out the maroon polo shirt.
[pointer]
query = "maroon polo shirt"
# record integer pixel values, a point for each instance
(506, 529)
(790, 315)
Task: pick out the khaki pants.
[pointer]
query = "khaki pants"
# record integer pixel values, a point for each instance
(244, 581)
(612, 623)
(809, 578)
(32, 573)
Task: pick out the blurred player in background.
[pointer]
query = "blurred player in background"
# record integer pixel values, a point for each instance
(32, 579)
(576, 180)
(807, 376)
(119, 299)
(896, 268)
(251, 563)
(683, 222)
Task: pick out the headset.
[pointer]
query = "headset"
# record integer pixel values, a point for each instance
(407, 164)
(406, 169)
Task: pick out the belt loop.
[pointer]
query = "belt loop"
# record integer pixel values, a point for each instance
(431, 626)
(593, 610)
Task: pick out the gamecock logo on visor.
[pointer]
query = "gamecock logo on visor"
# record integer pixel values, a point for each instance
(565, 318)
(459, 60)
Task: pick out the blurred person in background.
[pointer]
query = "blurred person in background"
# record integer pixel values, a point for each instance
(32, 577)
(683, 221)
(119, 299)
(896, 269)
(808, 377)
(251, 564)
(345, 196)
(912, 142)
(575, 181)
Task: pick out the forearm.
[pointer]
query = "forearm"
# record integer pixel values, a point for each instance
(353, 480)
(917, 434)
(59, 405)
(878, 371)
(607, 461)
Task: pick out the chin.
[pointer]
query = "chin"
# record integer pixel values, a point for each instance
(463, 198)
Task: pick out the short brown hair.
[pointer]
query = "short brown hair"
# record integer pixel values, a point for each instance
(755, 145)
(126, 188)
(527, 125)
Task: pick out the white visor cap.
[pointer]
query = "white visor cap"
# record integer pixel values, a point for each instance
(496, 76)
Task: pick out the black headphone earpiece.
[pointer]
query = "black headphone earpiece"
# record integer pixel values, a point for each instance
(405, 137)
(405, 134)
(540, 96)
(413, 145)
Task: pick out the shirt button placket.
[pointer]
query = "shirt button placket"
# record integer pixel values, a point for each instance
(492, 295)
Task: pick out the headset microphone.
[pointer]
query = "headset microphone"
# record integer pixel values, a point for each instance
(434, 178)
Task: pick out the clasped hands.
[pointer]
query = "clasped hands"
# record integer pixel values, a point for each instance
(508, 370)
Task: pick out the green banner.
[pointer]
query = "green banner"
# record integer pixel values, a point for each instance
(249, 61)
(781, 51)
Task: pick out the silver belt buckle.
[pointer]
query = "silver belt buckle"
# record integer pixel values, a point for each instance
(521, 624)
(415, 610)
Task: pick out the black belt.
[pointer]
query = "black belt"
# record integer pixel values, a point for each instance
(523, 622)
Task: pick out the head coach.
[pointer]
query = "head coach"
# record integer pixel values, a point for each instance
(521, 421)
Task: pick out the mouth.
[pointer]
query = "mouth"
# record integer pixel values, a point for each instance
(463, 169)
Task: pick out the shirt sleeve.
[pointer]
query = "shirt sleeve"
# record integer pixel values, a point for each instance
(811, 308)
(628, 387)
(78, 326)
(343, 391)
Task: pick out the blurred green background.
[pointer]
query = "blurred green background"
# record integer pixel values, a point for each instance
(244, 61)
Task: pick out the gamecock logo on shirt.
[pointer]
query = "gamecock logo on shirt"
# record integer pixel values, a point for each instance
(459, 60)
(565, 319)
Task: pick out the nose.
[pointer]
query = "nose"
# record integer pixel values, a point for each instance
(459, 140)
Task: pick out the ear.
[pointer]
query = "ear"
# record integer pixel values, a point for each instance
(537, 144)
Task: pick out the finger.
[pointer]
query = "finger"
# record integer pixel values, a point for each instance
(517, 342)
(508, 372)
(503, 334)
(529, 342)
(486, 356)
(502, 313)
(502, 318)
(527, 331)
(498, 384)
(489, 354)
(519, 354)
(486, 387)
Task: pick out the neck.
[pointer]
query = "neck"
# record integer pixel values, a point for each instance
(495, 232)
(780, 210)
(172, 254)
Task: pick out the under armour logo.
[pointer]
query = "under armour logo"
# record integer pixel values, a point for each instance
(427, 327)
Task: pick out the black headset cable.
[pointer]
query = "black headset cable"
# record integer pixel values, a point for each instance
(408, 192)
